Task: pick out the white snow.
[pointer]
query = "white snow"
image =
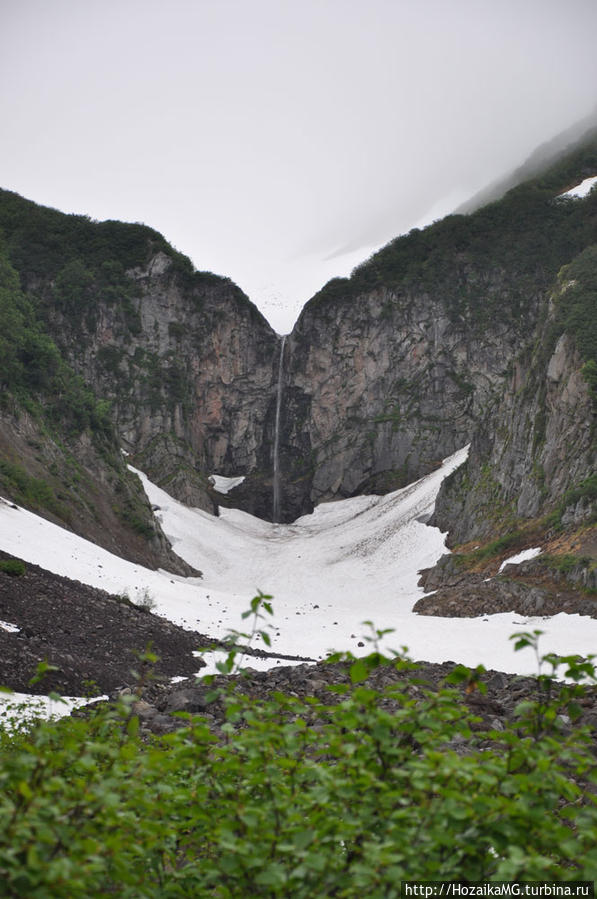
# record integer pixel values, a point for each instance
(347, 562)
(523, 556)
(581, 190)
(257, 663)
(11, 628)
(23, 707)
(225, 485)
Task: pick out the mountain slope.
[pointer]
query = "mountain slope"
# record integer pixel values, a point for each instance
(158, 340)
(384, 375)
(540, 161)
(391, 369)
(537, 447)
(58, 449)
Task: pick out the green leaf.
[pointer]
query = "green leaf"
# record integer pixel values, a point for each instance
(359, 671)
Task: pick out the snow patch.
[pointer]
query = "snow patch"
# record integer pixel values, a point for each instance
(21, 708)
(225, 485)
(581, 190)
(256, 663)
(11, 628)
(523, 556)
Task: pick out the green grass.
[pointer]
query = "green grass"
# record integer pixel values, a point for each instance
(565, 563)
(12, 567)
(35, 493)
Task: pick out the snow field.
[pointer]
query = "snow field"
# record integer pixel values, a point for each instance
(348, 562)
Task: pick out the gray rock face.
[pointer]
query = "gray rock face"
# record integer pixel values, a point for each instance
(380, 390)
(536, 444)
(189, 369)
(385, 373)
(375, 392)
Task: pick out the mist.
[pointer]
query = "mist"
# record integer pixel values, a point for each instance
(281, 143)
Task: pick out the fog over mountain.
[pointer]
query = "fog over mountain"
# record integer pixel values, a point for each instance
(280, 143)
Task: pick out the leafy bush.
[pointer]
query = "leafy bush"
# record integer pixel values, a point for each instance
(302, 798)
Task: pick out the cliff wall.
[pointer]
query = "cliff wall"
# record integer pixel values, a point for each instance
(189, 370)
(535, 450)
(385, 373)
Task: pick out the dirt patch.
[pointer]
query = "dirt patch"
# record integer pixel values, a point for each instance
(89, 635)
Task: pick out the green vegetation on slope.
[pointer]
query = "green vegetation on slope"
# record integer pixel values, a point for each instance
(34, 493)
(72, 271)
(32, 371)
(38, 469)
(87, 260)
(41, 241)
(494, 261)
(576, 311)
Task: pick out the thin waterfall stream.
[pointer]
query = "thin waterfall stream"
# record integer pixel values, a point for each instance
(276, 491)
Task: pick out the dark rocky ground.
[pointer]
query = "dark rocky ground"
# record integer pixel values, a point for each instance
(531, 588)
(89, 635)
(157, 704)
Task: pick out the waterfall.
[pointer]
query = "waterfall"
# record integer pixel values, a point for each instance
(276, 496)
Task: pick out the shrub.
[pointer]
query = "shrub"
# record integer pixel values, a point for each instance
(137, 518)
(302, 798)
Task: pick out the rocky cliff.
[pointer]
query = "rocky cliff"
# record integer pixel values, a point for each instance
(535, 451)
(59, 453)
(530, 482)
(186, 362)
(190, 375)
(383, 390)
(391, 370)
(385, 373)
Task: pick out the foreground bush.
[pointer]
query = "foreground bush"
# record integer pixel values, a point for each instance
(363, 797)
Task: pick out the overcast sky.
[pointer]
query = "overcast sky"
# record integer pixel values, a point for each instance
(280, 142)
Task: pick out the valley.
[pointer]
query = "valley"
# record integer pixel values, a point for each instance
(130, 380)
